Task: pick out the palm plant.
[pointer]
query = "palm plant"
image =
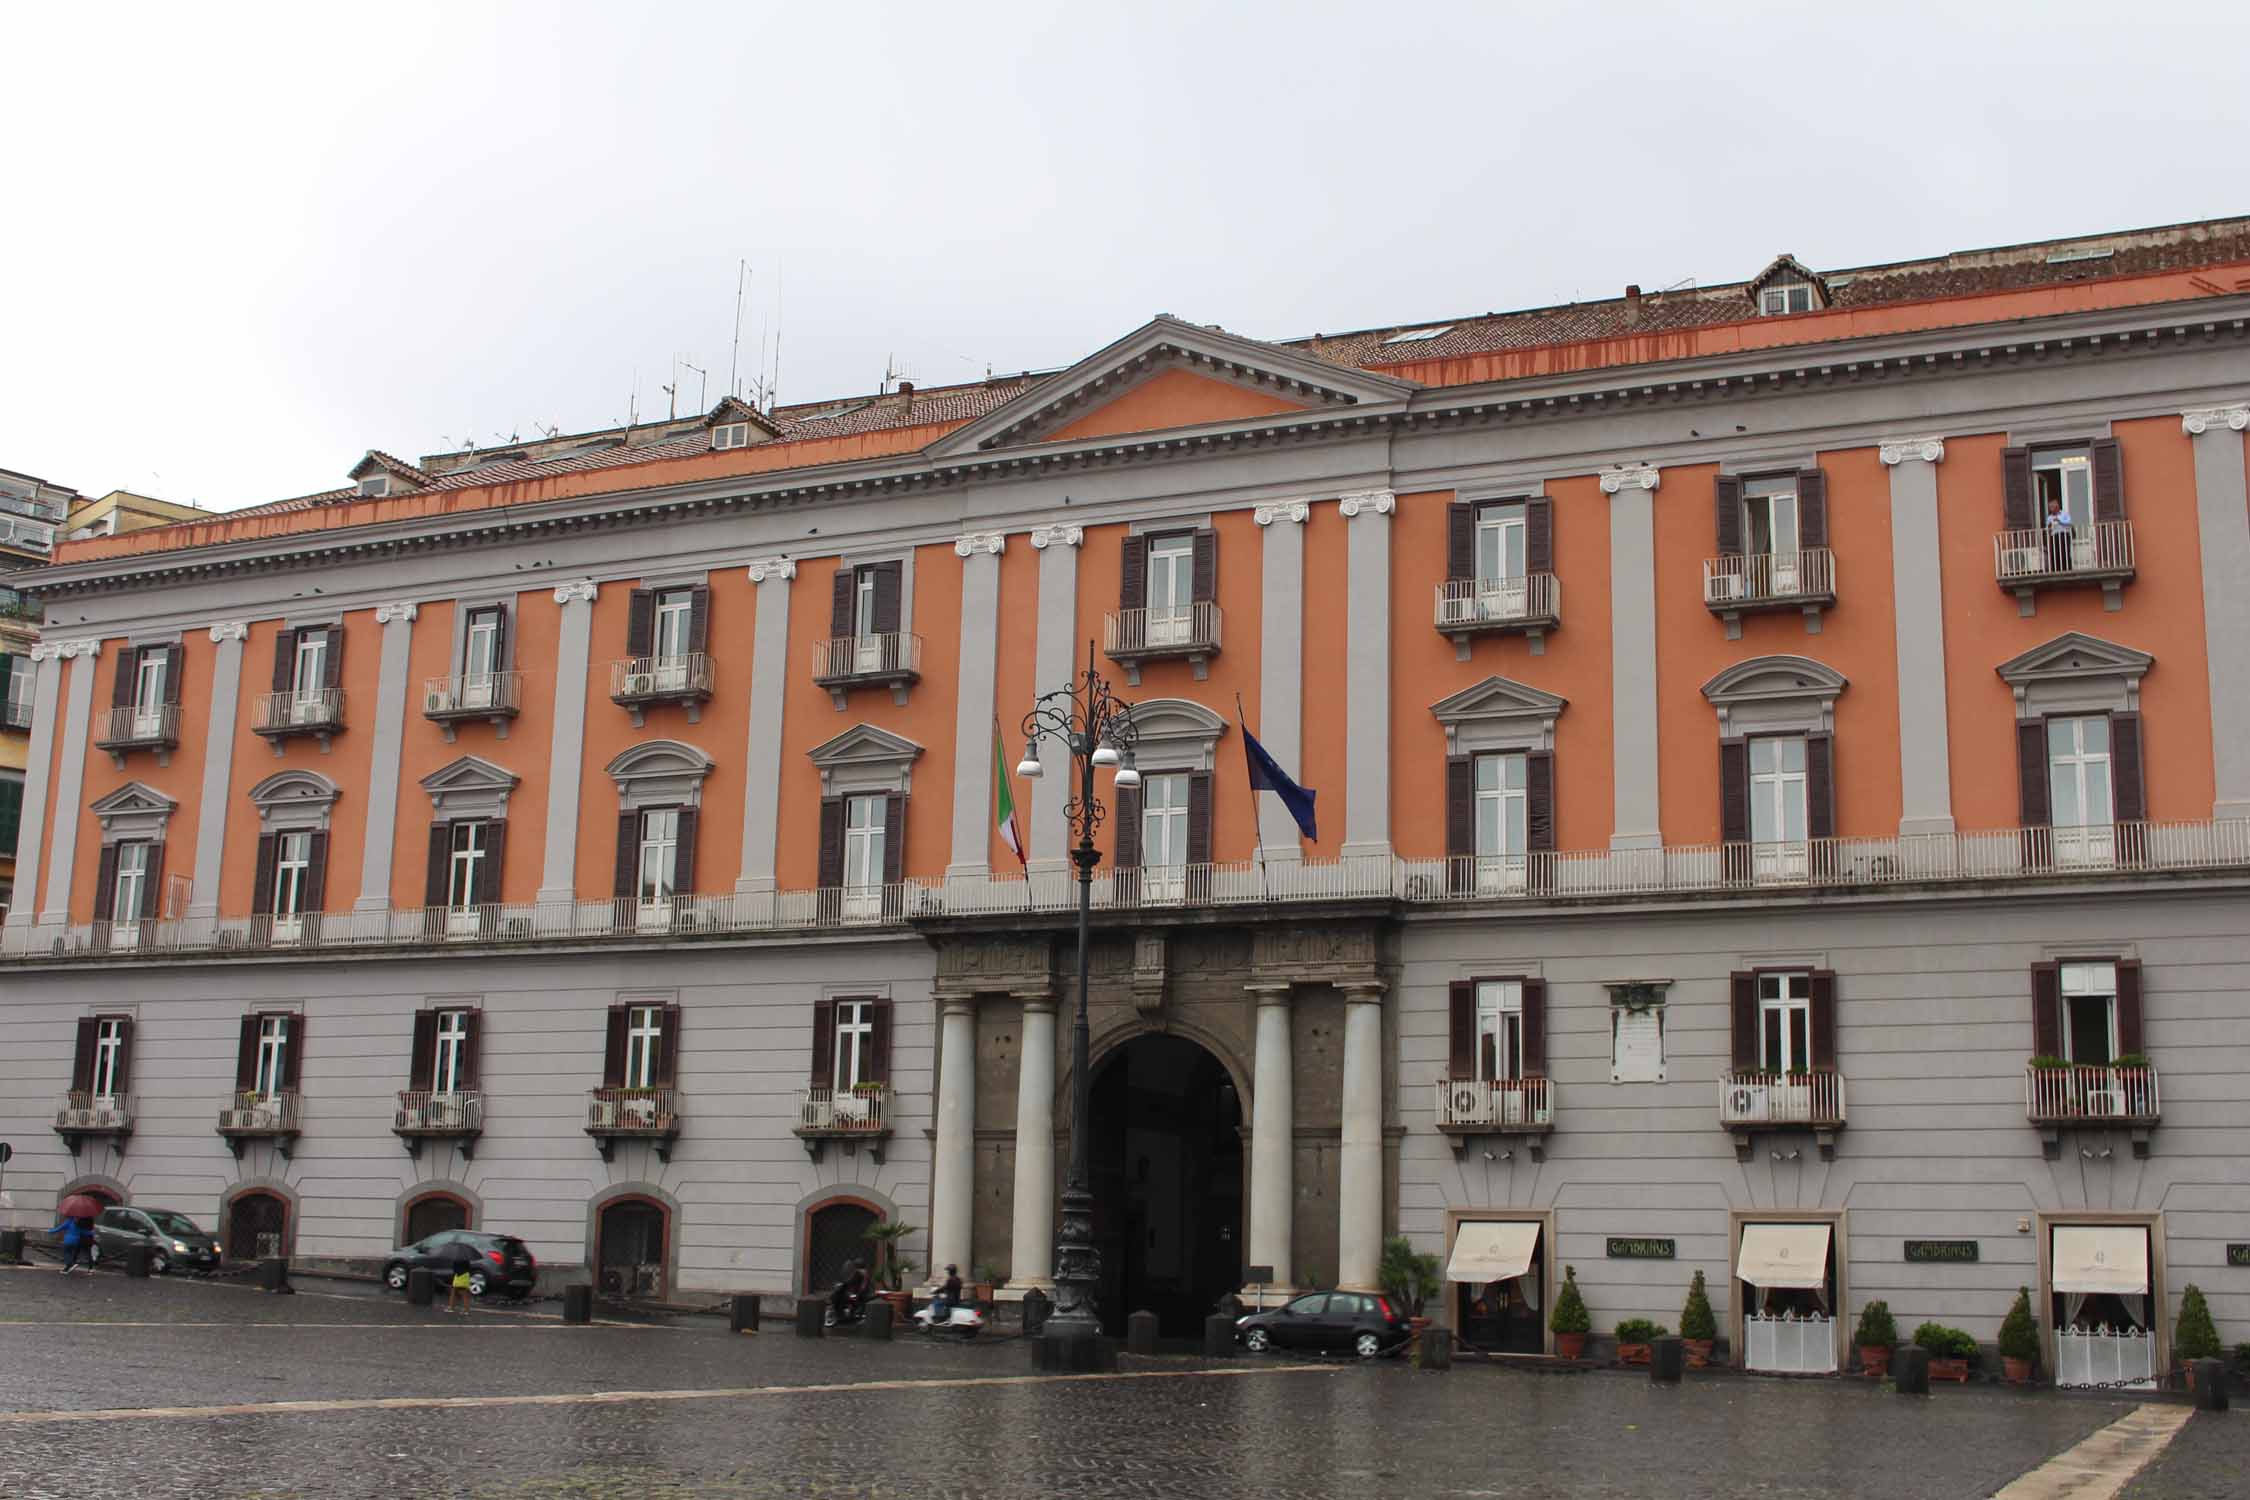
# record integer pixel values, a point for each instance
(891, 1265)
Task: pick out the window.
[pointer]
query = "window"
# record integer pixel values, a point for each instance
(644, 1045)
(109, 1057)
(1785, 1023)
(480, 657)
(148, 690)
(272, 1068)
(2079, 788)
(465, 875)
(732, 435)
(308, 674)
(11, 808)
(2089, 1013)
(855, 1037)
(1502, 812)
(1164, 837)
(131, 895)
(292, 866)
(375, 486)
(1499, 1033)
(1777, 806)
(1171, 589)
(1770, 531)
(659, 863)
(2064, 478)
(1419, 335)
(450, 1058)
(864, 864)
(863, 603)
(1500, 545)
(674, 609)
(1791, 297)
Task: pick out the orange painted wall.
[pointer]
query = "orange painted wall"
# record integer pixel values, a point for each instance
(182, 780)
(1325, 713)
(1575, 666)
(1174, 398)
(1858, 638)
(2162, 615)
(1015, 683)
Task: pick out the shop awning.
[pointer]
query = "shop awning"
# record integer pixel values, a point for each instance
(1488, 1251)
(1784, 1255)
(2101, 1258)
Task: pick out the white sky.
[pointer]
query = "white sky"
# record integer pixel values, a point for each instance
(246, 244)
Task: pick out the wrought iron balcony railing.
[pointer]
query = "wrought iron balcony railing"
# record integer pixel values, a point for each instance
(632, 1114)
(2078, 1094)
(1495, 1106)
(639, 682)
(1190, 631)
(1531, 605)
(86, 1113)
(313, 711)
(156, 727)
(1744, 582)
(1753, 1098)
(893, 659)
(497, 696)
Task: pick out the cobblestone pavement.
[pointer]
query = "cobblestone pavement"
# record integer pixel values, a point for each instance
(781, 1416)
(2209, 1460)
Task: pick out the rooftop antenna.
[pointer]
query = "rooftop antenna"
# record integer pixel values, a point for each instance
(773, 383)
(1685, 283)
(633, 401)
(734, 365)
(703, 386)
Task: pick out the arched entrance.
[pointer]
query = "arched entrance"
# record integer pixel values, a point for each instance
(106, 1196)
(257, 1226)
(1167, 1159)
(835, 1236)
(632, 1235)
(434, 1213)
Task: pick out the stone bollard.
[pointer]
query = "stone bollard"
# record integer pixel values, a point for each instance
(2210, 1384)
(1667, 1359)
(812, 1317)
(1140, 1333)
(11, 1247)
(1037, 1308)
(742, 1313)
(1218, 1336)
(578, 1302)
(1433, 1348)
(273, 1276)
(1910, 1370)
(139, 1261)
(876, 1322)
(421, 1287)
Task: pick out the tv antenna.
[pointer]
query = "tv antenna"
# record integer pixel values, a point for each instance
(703, 385)
(734, 364)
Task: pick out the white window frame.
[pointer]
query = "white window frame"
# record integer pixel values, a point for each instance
(109, 1045)
(308, 673)
(480, 656)
(273, 1057)
(644, 1043)
(133, 857)
(1164, 835)
(1500, 792)
(1772, 506)
(2067, 472)
(375, 486)
(1502, 529)
(1787, 998)
(730, 435)
(865, 814)
(1170, 588)
(868, 643)
(670, 627)
(148, 691)
(2083, 841)
(1499, 1021)
(855, 1030)
(292, 865)
(2080, 980)
(467, 852)
(657, 866)
(450, 1053)
(1774, 301)
(1775, 791)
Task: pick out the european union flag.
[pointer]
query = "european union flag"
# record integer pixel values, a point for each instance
(1266, 775)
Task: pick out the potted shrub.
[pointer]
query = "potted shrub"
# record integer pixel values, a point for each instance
(1569, 1320)
(1634, 1335)
(1699, 1330)
(1410, 1276)
(2194, 1337)
(1876, 1338)
(891, 1265)
(989, 1280)
(1952, 1351)
(2019, 1339)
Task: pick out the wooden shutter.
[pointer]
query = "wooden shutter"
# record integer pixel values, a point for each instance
(1535, 1028)
(667, 1046)
(640, 623)
(246, 1054)
(284, 665)
(332, 676)
(121, 689)
(2032, 810)
(105, 885)
(1461, 1028)
(890, 586)
(293, 1052)
(421, 1067)
(122, 1080)
(2109, 479)
(894, 838)
(1128, 846)
(1132, 574)
(683, 854)
(2129, 1042)
(472, 1049)
(1821, 986)
(831, 841)
(1820, 786)
(1199, 818)
(2046, 1010)
(823, 1043)
(1539, 801)
(699, 618)
(1726, 514)
(82, 1055)
(626, 876)
(175, 667)
(2128, 794)
(1742, 1015)
(2016, 513)
(613, 1050)
(441, 855)
(500, 639)
(1460, 807)
(840, 602)
(316, 871)
(1734, 791)
(1812, 508)
(1461, 541)
(876, 1062)
(152, 884)
(1539, 535)
(1206, 567)
(495, 855)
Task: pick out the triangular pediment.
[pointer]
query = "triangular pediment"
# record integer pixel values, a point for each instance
(2075, 654)
(863, 744)
(1209, 376)
(469, 773)
(133, 797)
(1498, 698)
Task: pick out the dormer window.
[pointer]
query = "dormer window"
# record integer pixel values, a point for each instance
(1788, 297)
(732, 435)
(375, 486)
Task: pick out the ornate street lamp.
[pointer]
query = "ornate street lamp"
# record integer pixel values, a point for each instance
(1095, 730)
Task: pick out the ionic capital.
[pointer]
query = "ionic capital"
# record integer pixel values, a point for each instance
(230, 630)
(2204, 419)
(1896, 451)
(1287, 510)
(1043, 537)
(1368, 503)
(581, 592)
(777, 569)
(1616, 477)
(992, 543)
(399, 613)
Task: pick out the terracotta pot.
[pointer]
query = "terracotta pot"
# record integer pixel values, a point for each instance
(902, 1305)
(1570, 1345)
(1632, 1354)
(2189, 1367)
(1950, 1369)
(1698, 1352)
(1417, 1324)
(1875, 1359)
(2016, 1371)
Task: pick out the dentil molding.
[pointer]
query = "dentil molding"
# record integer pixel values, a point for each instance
(1043, 537)
(1287, 510)
(1895, 451)
(230, 630)
(1617, 477)
(991, 542)
(1368, 503)
(581, 592)
(400, 613)
(781, 569)
(2203, 419)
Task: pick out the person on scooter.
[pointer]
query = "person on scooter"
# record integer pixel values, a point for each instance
(947, 1298)
(850, 1294)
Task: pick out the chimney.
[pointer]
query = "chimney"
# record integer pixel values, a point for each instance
(906, 391)
(1632, 304)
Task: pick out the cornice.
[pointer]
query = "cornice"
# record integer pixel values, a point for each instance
(2204, 419)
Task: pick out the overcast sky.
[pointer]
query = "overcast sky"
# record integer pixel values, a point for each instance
(244, 245)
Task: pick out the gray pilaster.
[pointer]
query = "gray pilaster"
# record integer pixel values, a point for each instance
(558, 880)
(1635, 821)
(1367, 674)
(1918, 611)
(1056, 657)
(218, 769)
(769, 691)
(2223, 520)
(397, 621)
(1281, 665)
(972, 716)
(70, 778)
(46, 693)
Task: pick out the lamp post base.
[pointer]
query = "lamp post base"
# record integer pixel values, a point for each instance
(1072, 1353)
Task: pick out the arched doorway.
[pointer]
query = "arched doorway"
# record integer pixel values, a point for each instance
(257, 1226)
(434, 1213)
(106, 1196)
(835, 1236)
(632, 1235)
(1167, 1160)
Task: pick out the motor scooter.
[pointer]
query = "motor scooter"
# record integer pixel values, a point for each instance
(961, 1321)
(853, 1311)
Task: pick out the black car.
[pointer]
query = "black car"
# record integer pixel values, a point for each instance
(503, 1262)
(173, 1238)
(1361, 1323)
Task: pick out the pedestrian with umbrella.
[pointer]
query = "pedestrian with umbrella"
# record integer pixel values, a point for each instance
(76, 1226)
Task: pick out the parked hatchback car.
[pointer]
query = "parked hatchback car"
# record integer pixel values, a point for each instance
(174, 1239)
(1361, 1323)
(503, 1262)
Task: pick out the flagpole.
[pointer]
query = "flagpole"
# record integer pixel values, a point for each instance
(1000, 769)
(1257, 809)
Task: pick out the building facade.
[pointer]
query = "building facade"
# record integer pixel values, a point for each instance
(1783, 760)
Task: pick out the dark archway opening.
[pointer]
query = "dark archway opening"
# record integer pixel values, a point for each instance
(632, 1240)
(836, 1237)
(1167, 1160)
(434, 1213)
(257, 1227)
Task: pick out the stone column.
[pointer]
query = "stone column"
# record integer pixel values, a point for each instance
(1032, 1257)
(769, 683)
(31, 832)
(1273, 1137)
(1367, 677)
(70, 779)
(218, 771)
(1359, 1171)
(953, 1169)
(972, 717)
(558, 879)
(1055, 657)
(2223, 522)
(1281, 665)
(1634, 816)
(397, 621)
(1918, 612)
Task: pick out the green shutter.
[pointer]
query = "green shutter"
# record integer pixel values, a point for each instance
(11, 813)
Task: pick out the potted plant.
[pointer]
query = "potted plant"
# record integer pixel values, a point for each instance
(1877, 1337)
(2019, 1339)
(2194, 1337)
(2049, 1062)
(1409, 1275)
(989, 1279)
(1634, 1336)
(1952, 1351)
(888, 1236)
(1569, 1320)
(1699, 1330)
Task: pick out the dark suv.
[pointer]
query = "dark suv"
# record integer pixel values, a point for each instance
(173, 1238)
(1362, 1323)
(503, 1262)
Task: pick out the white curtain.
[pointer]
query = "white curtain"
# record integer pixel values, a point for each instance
(2136, 1307)
(2072, 1302)
(1529, 1286)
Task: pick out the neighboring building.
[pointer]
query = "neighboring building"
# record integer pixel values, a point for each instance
(31, 512)
(1752, 837)
(122, 511)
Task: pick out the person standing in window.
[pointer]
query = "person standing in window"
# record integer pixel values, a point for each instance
(2058, 535)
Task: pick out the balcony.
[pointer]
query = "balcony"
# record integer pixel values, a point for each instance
(1751, 1101)
(621, 1114)
(859, 1117)
(253, 1116)
(26, 536)
(425, 1116)
(492, 696)
(87, 1116)
(132, 728)
(1469, 1107)
(1469, 607)
(318, 712)
(1190, 632)
(640, 682)
(2100, 556)
(892, 660)
(1764, 582)
(2121, 1096)
(15, 713)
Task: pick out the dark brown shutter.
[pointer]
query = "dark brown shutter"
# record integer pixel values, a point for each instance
(894, 838)
(1742, 1015)
(683, 854)
(152, 884)
(1460, 807)
(421, 1064)
(1726, 514)
(2046, 1010)
(1820, 786)
(1206, 567)
(2109, 479)
(1461, 1029)
(1132, 574)
(613, 1050)
(2128, 794)
(122, 1078)
(316, 871)
(1535, 1028)
(284, 666)
(2016, 512)
(2032, 810)
(1734, 791)
(1812, 508)
(1461, 541)
(495, 856)
(840, 603)
(472, 1049)
(82, 1055)
(441, 856)
(332, 676)
(105, 885)
(500, 639)
(667, 1046)
(1539, 801)
(699, 618)
(875, 1063)
(246, 1054)
(175, 668)
(1199, 818)
(890, 586)
(627, 884)
(831, 841)
(2129, 1043)
(293, 1052)
(1821, 988)
(1539, 536)
(1128, 851)
(823, 1043)
(640, 623)
(128, 668)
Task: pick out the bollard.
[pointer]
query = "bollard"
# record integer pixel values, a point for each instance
(875, 1323)
(1140, 1333)
(1218, 1337)
(2210, 1378)
(1433, 1348)
(1910, 1370)
(1667, 1358)
(421, 1286)
(11, 1247)
(578, 1302)
(1037, 1308)
(139, 1261)
(273, 1276)
(812, 1317)
(743, 1313)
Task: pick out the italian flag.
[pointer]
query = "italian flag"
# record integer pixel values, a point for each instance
(1004, 802)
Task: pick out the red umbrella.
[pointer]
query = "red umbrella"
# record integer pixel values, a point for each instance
(80, 1206)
